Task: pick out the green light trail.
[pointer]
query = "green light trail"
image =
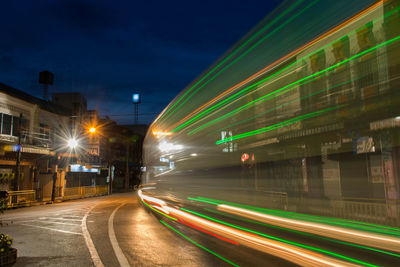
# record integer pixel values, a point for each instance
(272, 109)
(197, 244)
(313, 75)
(247, 51)
(236, 95)
(331, 221)
(288, 214)
(232, 54)
(280, 239)
(172, 218)
(303, 233)
(278, 125)
(247, 106)
(269, 110)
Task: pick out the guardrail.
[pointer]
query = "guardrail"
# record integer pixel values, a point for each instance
(275, 200)
(377, 211)
(85, 191)
(27, 197)
(21, 198)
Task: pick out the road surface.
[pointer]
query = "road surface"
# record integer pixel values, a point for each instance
(114, 230)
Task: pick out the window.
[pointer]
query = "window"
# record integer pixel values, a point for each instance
(6, 124)
(44, 131)
(15, 126)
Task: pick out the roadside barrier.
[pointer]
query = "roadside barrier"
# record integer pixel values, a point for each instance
(377, 211)
(85, 191)
(21, 198)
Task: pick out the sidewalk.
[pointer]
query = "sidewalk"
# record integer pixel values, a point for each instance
(27, 198)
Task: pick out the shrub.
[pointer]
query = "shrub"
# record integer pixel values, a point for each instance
(5, 243)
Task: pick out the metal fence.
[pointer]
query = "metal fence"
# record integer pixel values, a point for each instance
(27, 197)
(368, 210)
(85, 191)
(21, 198)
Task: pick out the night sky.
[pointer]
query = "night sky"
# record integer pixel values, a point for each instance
(109, 49)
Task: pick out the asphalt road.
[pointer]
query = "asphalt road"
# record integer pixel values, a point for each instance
(113, 230)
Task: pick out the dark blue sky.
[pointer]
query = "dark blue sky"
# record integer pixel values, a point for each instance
(109, 49)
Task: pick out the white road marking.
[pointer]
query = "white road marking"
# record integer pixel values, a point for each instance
(61, 211)
(89, 243)
(117, 250)
(62, 219)
(75, 224)
(48, 228)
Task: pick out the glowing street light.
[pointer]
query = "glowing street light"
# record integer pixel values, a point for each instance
(92, 130)
(72, 143)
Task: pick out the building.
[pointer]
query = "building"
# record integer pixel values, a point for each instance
(40, 128)
(123, 151)
(35, 141)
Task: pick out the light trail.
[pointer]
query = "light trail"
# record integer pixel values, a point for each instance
(269, 110)
(359, 237)
(160, 212)
(302, 233)
(305, 217)
(250, 49)
(209, 233)
(278, 125)
(232, 54)
(345, 80)
(277, 248)
(270, 66)
(279, 239)
(390, 243)
(238, 99)
(280, 71)
(271, 245)
(313, 75)
(275, 108)
(197, 244)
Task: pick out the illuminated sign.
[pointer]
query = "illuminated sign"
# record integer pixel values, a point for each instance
(82, 168)
(164, 160)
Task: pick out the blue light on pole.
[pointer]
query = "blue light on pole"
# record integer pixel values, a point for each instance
(136, 98)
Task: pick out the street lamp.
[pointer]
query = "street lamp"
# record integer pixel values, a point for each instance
(72, 143)
(136, 101)
(92, 130)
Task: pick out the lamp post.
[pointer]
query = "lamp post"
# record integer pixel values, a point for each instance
(82, 143)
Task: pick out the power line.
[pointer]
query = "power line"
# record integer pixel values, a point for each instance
(131, 114)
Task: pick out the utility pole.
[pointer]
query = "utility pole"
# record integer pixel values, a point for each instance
(54, 170)
(127, 167)
(136, 113)
(18, 160)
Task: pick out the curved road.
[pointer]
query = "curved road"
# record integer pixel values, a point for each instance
(114, 230)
